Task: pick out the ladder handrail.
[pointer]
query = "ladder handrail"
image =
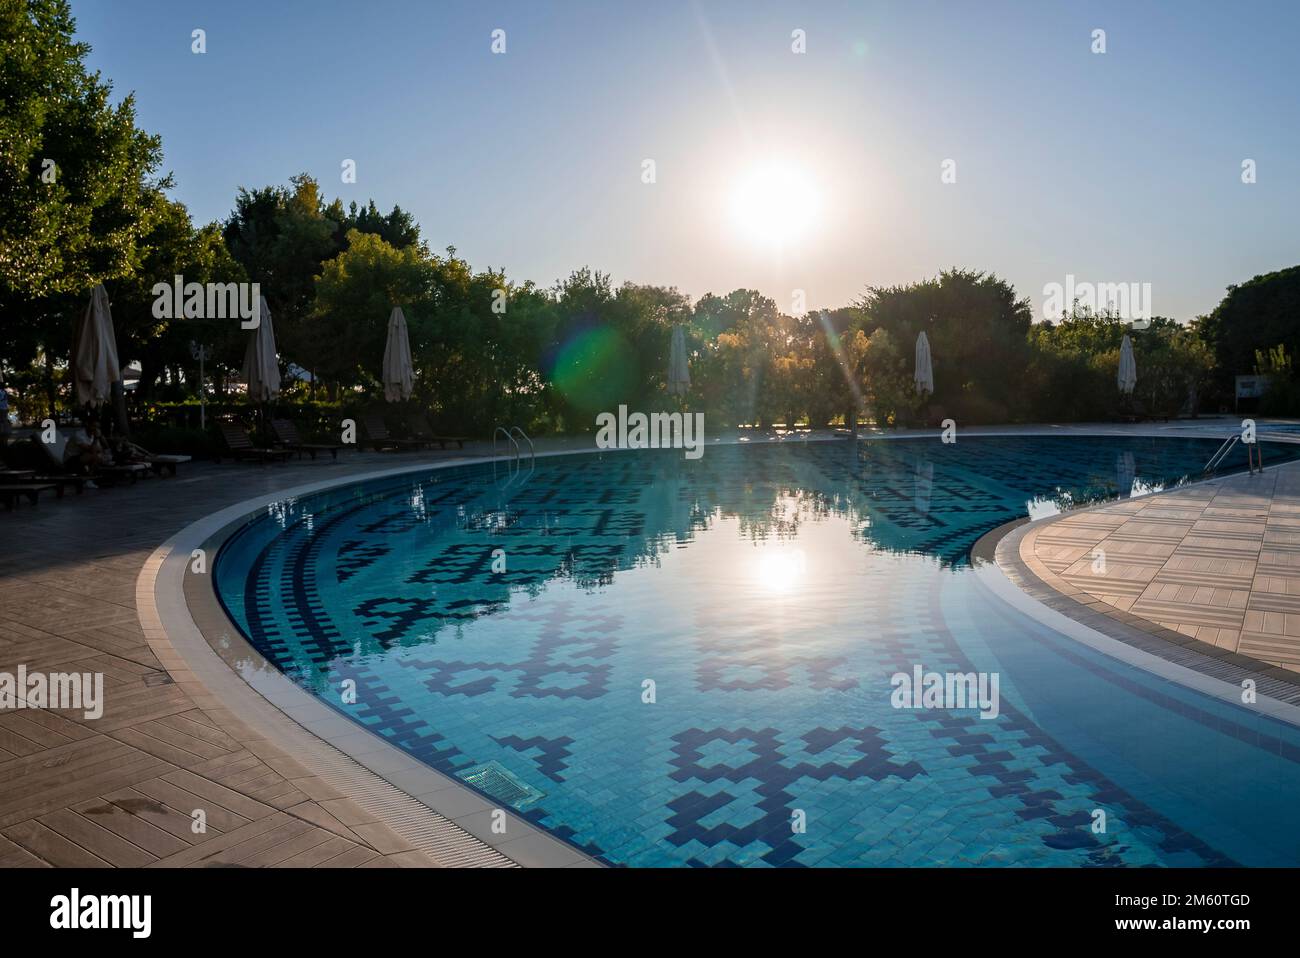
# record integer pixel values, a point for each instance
(532, 450)
(519, 475)
(1221, 453)
(509, 438)
(512, 467)
(516, 472)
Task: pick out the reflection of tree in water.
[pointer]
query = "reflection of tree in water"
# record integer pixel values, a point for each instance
(585, 519)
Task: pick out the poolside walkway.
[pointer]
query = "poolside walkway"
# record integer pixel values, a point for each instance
(1216, 562)
(123, 789)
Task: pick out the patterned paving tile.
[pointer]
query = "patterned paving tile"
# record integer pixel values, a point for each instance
(1218, 563)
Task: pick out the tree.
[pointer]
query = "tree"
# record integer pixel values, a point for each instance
(887, 380)
(354, 297)
(76, 180)
(1258, 314)
(169, 247)
(977, 329)
(1173, 365)
(743, 328)
(838, 346)
(397, 228)
(282, 237)
(1072, 373)
(1282, 397)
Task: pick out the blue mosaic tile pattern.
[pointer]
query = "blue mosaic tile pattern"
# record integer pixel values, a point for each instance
(769, 593)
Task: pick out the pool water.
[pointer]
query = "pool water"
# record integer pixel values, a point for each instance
(672, 662)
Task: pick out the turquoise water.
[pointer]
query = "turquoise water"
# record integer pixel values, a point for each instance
(766, 595)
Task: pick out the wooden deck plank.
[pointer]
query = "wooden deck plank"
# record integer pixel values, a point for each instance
(52, 847)
(187, 803)
(134, 828)
(96, 839)
(176, 822)
(310, 858)
(220, 795)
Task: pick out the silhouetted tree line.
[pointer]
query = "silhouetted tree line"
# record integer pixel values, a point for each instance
(489, 349)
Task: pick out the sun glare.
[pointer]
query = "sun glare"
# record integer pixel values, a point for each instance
(780, 569)
(775, 204)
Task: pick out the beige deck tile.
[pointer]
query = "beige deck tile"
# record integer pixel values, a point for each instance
(1219, 563)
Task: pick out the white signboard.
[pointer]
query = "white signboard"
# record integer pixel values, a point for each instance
(1251, 387)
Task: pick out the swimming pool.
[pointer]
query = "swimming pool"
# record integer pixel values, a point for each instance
(769, 592)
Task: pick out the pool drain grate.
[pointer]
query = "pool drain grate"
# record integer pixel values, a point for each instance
(501, 784)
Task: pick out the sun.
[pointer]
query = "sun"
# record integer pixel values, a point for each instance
(776, 203)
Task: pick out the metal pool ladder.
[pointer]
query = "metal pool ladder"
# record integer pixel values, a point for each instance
(1216, 460)
(514, 464)
(1228, 445)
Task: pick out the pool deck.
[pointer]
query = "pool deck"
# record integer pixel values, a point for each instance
(1213, 566)
(121, 790)
(1218, 564)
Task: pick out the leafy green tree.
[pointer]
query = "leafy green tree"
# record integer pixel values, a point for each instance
(645, 316)
(1258, 314)
(833, 385)
(977, 328)
(888, 380)
(1073, 369)
(281, 238)
(480, 365)
(354, 297)
(1282, 397)
(742, 330)
(590, 363)
(397, 228)
(76, 181)
(169, 247)
(1173, 366)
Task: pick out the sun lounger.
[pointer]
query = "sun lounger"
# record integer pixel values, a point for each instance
(12, 477)
(241, 446)
(378, 437)
(420, 429)
(62, 480)
(124, 471)
(287, 435)
(51, 466)
(159, 464)
(11, 491)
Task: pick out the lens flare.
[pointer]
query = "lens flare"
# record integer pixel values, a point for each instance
(595, 369)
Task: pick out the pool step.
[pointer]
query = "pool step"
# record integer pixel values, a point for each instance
(499, 783)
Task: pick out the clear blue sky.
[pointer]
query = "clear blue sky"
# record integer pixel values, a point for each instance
(1119, 167)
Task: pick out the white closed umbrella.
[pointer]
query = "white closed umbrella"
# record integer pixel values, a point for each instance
(679, 371)
(1128, 370)
(261, 368)
(399, 376)
(924, 375)
(94, 356)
